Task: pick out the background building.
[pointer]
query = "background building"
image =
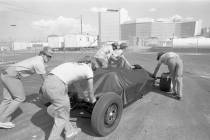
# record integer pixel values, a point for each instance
(206, 32)
(109, 25)
(139, 33)
(21, 46)
(79, 40)
(55, 41)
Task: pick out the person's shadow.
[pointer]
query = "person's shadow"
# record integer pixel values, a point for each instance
(78, 117)
(40, 119)
(156, 89)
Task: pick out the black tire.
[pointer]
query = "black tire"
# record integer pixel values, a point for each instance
(106, 113)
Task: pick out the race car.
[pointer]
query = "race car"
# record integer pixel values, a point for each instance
(114, 89)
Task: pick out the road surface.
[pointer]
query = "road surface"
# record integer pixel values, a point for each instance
(156, 116)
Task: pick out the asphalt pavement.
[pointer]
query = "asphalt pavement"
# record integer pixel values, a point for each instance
(157, 116)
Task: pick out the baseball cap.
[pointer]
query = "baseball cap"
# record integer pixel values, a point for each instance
(47, 51)
(88, 59)
(114, 44)
(159, 54)
(123, 45)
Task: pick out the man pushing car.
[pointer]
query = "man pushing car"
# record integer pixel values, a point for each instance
(13, 90)
(55, 88)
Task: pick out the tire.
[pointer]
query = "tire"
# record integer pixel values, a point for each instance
(106, 113)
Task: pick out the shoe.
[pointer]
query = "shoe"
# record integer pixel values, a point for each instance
(179, 97)
(174, 93)
(73, 133)
(7, 125)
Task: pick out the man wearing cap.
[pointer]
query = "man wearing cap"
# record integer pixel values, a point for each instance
(13, 91)
(175, 67)
(103, 54)
(55, 88)
(117, 57)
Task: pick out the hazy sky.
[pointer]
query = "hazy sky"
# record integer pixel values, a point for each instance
(35, 19)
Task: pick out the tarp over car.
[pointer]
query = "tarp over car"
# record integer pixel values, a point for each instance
(127, 83)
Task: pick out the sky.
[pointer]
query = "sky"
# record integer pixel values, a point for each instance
(34, 20)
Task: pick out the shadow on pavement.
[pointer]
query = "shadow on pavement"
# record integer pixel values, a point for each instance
(16, 114)
(167, 94)
(83, 121)
(42, 120)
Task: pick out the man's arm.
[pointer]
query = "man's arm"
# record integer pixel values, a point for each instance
(126, 63)
(156, 69)
(90, 91)
(43, 76)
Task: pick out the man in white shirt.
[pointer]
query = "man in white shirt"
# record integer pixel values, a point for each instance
(13, 91)
(55, 88)
(103, 54)
(175, 67)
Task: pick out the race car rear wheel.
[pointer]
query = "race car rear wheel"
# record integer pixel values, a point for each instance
(106, 113)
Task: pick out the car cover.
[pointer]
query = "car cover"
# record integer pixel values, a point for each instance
(128, 83)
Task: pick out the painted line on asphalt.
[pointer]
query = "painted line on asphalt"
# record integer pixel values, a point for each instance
(205, 76)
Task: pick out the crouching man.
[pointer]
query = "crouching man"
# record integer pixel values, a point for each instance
(55, 88)
(175, 67)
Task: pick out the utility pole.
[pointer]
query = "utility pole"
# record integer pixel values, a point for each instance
(99, 29)
(81, 23)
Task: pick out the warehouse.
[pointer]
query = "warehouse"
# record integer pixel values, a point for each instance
(160, 32)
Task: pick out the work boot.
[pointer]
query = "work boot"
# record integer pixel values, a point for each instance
(73, 133)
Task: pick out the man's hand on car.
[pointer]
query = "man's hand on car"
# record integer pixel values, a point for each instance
(92, 99)
(136, 66)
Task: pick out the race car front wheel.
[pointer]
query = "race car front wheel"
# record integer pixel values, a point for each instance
(106, 113)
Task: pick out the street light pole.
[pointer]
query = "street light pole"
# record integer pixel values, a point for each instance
(81, 23)
(99, 29)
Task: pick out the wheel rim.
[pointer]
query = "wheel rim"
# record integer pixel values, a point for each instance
(111, 114)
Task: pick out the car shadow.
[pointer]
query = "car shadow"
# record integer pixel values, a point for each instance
(83, 120)
(78, 117)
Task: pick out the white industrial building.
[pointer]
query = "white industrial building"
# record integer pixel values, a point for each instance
(72, 41)
(79, 40)
(192, 42)
(140, 32)
(21, 46)
(109, 25)
(55, 41)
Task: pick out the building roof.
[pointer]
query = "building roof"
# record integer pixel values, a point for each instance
(162, 20)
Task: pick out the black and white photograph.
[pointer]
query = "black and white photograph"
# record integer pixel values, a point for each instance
(104, 70)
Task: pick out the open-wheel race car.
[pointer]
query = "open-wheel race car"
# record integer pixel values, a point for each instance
(114, 89)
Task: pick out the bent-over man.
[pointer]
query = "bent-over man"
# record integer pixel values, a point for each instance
(117, 57)
(175, 67)
(103, 54)
(55, 88)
